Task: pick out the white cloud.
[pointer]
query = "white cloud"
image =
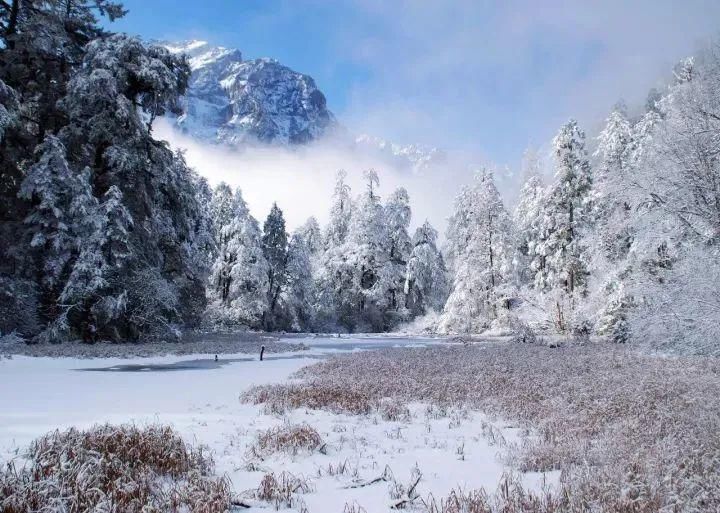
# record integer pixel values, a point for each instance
(301, 180)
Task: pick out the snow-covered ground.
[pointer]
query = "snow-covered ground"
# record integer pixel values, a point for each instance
(38, 395)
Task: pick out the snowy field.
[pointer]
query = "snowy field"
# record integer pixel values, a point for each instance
(368, 424)
(200, 399)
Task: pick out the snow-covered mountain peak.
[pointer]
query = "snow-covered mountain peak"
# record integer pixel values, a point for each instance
(417, 156)
(184, 46)
(234, 101)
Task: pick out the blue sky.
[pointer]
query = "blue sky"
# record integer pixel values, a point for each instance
(489, 78)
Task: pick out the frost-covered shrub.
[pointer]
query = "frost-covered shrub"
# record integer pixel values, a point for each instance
(422, 325)
(11, 338)
(113, 468)
(581, 330)
(353, 508)
(521, 331)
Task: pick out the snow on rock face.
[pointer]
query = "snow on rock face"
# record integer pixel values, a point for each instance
(237, 102)
(232, 101)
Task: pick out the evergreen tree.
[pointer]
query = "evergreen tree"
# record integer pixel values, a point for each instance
(426, 284)
(527, 218)
(340, 212)
(367, 255)
(334, 307)
(54, 188)
(239, 276)
(221, 209)
(299, 295)
(611, 207)
(612, 202)
(561, 253)
(311, 235)
(480, 233)
(275, 249)
(397, 220)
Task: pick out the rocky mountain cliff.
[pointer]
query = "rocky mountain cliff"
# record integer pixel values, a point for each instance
(234, 101)
(237, 102)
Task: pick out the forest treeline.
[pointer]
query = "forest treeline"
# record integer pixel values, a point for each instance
(107, 234)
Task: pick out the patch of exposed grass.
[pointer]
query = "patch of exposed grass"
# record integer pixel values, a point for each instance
(113, 468)
(510, 497)
(279, 398)
(630, 433)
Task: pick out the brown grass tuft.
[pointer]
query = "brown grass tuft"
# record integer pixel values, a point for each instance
(291, 439)
(510, 497)
(279, 398)
(282, 490)
(113, 468)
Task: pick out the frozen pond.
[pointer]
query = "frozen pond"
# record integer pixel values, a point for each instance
(318, 347)
(194, 364)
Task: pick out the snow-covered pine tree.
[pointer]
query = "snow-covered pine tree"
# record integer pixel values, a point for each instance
(60, 199)
(527, 219)
(562, 258)
(397, 220)
(312, 235)
(367, 253)
(41, 45)
(340, 212)
(299, 294)
(481, 238)
(275, 249)
(238, 288)
(221, 209)
(334, 277)
(91, 299)
(611, 206)
(612, 203)
(121, 85)
(426, 285)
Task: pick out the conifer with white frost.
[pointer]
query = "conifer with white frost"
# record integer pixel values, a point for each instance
(426, 282)
(299, 293)
(397, 215)
(239, 275)
(527, 219)
(561, 258)
(275, 249)
(480, 239)
(367, 253)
